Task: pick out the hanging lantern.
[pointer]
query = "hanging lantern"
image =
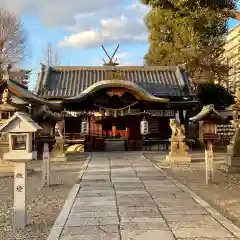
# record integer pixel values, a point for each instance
(144, 126)
(84, 127)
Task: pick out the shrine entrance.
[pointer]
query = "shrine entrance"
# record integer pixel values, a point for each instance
(115, 127)
(112, 113)
(118, 132)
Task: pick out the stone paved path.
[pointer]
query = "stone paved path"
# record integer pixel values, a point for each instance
(124, 197)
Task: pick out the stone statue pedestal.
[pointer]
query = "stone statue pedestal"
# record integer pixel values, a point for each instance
(58, 152)
(232, 158)
(231, 164)
(178, 154)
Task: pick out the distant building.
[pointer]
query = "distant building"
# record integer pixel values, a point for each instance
(232, 57)
(20, 75)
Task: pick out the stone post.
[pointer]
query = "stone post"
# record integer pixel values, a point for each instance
(46, 164)
(20, 195)
(209, 170)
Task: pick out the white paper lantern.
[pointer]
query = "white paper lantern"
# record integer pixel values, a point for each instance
(84, 127)
(144, 127)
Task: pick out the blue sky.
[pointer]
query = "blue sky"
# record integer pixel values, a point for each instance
(78, 39)
(77, 28)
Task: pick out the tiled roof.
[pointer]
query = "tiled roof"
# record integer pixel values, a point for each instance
(62, 82)
(23, 93)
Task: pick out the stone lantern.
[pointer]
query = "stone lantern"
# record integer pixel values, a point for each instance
(208, 119)
(20, 128)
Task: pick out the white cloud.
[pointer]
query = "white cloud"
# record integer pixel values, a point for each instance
(127, 28)
(58, 12)
(121, 57)
(90, 22)
(127, 64)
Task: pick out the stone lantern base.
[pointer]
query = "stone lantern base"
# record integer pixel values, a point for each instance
(178, 154)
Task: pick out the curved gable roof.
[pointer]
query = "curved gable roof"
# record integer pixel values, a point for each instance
(138, 91)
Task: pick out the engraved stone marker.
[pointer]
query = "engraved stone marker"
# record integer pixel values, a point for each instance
(46, 164)
(20, 195)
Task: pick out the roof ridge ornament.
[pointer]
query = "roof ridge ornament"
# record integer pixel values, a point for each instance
(5, 96)
(111, 62)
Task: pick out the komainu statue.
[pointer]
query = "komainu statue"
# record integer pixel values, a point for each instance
(177, 129)
(178, 149)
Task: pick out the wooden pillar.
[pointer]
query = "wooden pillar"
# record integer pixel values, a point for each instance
(183, 120)
(181, 117)
(186, 123)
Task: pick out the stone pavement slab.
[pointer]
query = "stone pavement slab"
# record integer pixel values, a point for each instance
(122, 196)
(88, 230)
(103, 236)
(146, 234)
(79, 221)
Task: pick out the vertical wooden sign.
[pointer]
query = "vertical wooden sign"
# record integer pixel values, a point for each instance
(46, 164)
(20, 195)
(209, 161)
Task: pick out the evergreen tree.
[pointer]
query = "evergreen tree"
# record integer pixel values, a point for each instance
(210, 93)
(189, 32)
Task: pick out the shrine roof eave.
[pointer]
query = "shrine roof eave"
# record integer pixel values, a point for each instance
(25, 94)
(138, 91)
(184, 103)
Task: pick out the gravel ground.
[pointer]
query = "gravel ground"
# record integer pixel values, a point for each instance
(44, 204)
(223, 194)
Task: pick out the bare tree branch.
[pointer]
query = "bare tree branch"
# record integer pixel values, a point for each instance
(12, 38)
(51, 55)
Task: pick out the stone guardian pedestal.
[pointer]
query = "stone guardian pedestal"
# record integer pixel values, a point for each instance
(178, 154)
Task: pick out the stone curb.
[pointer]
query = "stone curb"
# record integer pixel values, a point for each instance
(232, 228)
(63, 215)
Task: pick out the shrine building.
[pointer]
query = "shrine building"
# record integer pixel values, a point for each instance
(127, 105)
